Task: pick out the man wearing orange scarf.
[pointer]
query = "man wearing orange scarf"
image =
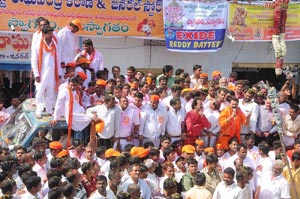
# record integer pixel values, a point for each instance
(68, 105)
(46, 69)
(231, 119)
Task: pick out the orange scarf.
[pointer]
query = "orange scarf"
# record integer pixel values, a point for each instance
(70, 118)
(91, 56)
(53, 52)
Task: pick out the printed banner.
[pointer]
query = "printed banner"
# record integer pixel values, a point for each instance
(139, 18)
(194, 26)
(255, 22)
(15, 48)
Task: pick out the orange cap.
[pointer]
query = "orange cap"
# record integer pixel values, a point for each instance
(63, 153)
(133, 85)
(199, 142)
(112, 153)
(203, 75)
(101, 82)
(77, 23)
(148, 80)
(139, 151)
(216, 73)
(71, 64)
(188, 148)
(99, 126)
(154, 98)
(219, 146)
(55, 145)
(82, 75)
(82, 60)
(186, 90)
(209, 150)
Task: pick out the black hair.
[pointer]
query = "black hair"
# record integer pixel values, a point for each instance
(88, 42)
(32, 181)
(55, 193)
(229, 171)
(167, 68)
(211, 158)
(200, 179)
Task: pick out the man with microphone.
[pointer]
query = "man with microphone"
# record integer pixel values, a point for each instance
(231, 119)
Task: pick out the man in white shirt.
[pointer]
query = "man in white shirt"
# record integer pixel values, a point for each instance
(69, 44)
(225, 187)
(276, 186)
(15, 102)
(40, 165)
(45, 63)
(240, 153)
(102, 192)
(291, 126)
(111, 115)
(242, 190)
(129, 123)
(249, 107)
(153, 121)
(134, 172)
(175, 123)
(68, 98)
(33, 186)
(93, 55)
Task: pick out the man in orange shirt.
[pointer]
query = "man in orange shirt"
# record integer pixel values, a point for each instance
(231, 119)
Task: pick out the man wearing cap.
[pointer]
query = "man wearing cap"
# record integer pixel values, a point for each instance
(55, 147)
(93, 55)
(97, 97)
(200, 155)
(69, 43)
(129, 123)
(216, 76)
(82, 66)
(111, 115)
(45, 63)
(153, 121)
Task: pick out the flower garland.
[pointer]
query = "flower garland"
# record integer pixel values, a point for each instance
(278, 37)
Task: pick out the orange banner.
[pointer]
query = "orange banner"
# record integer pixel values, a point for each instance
(139, 18)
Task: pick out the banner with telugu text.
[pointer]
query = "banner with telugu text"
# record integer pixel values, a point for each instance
(15, 48)
(138, 18)
(195, 26)
(254, 22)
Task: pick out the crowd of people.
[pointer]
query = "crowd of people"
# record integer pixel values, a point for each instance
(193, 136)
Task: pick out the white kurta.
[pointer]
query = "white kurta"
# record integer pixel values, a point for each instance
(153, 123)
(129, 118)
(69, 45)
(79, 119)
(111, 118)
(174, 122)
(97, 62)
(46, 87)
